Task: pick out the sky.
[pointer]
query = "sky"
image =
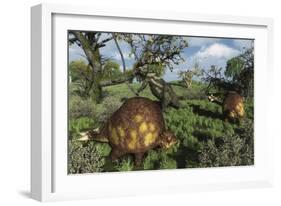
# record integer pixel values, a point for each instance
(203, 50)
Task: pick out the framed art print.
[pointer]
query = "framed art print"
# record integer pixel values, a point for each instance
(137, 102)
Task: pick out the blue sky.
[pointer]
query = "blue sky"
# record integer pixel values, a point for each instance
(203, 50)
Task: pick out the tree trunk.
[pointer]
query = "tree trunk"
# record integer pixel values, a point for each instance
(93, 88)
(91, 52)
(120, 52)
(96, 93)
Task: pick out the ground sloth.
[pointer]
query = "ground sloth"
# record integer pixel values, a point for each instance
(136, 127)
(232, 106)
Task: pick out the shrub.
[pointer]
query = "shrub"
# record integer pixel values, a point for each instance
(249, 109)
(80, 107)
(159, 160)
(86, 157)
(150, 160)
(80, 124)
(107, 107)
(195, 123)
(167, 162)
(230, 150)
(84, 115)
(126, 164)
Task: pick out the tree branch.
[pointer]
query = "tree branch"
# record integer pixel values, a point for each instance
(105, 40)
(115, 81)
(72, 40)
(177, 84)
(120, 52)
(88, 50)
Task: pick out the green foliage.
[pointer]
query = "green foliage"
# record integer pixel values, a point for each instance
(111, 70)
(78, 70)
(78, 125)
(203, 137)
(121, 91)
(155, 52)
(158, 69)
(80, 78)
(234, 67)
(196, 92)
(80, 107)
(167, 163)
(151, 159)
(86, 158)
(106, 108)
(126, 164)
(85, 115)
(240, 69)
(229, 150)
(249, 108)
(158, 160)
(199, 120)
(188, 75)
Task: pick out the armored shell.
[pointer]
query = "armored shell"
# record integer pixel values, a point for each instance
(135, 127)
(233, 106)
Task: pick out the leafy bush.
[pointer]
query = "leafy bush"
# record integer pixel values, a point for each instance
(230, 150)
(159, 160)
(107, 107)
(199, 120)
(85, 115)
(86, 157)
(78, 70)
(249, 109)
(75, 88)
(76, 126)
(80, 107)
(150, 160)
(125, 164)
(84, 107)
(167, 162)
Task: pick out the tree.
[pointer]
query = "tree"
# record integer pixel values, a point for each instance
(115, 37)
(216, 82)
(79, 73)
(233, 68)
(154, 54)
(91, 43)
(188, 75)
(111, 70)
(78, 70)
(238, 75)
(240, 70)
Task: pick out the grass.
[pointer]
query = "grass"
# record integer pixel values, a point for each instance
(198, 125)
(122, 91)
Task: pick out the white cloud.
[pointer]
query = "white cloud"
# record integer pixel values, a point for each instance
(214, 54)
(217, 50)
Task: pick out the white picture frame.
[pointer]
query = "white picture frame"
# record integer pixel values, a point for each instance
(49, 179)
